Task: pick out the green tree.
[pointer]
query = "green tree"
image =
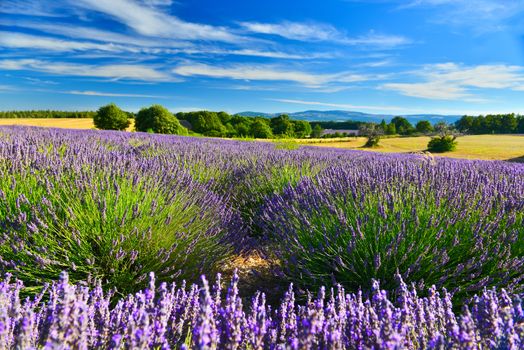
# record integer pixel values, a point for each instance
(260, 129)
(392, 129)
(110, 117)
(282, 126)
(159, 120)
(383, 126)
(301, 128)
(224, 117)
(208, 123)
(509, 124)
(373, 132)
(520, 126)
(403, 126)
(243, 129)
(424, 127)
(317, 131)
(465, 124)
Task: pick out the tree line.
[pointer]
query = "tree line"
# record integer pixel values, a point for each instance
(46, 114)
(492, 124)
(222, 124)
(215, 124)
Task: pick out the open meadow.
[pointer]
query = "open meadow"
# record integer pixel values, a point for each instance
(354, 249)
(488, 147)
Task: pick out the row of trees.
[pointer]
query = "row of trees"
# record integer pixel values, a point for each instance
(155, 119)
(222, 124)
(443, 135)
(46, 114)
(159, 120)
(492, 124)
(397, 126)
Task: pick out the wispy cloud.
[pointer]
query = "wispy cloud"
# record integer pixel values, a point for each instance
(94, 34)
(450, 81)
(37, 81)
(30, 7)
(114, 71)
(8, 88)
(19, 40)
(266, 73)
(337, 105)
(110, 43)
(480, 15)
(149, 21)
(110, 94)
(322, 32)
(431, 90)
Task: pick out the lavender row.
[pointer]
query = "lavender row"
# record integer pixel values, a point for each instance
(455, 224)
(167, 316)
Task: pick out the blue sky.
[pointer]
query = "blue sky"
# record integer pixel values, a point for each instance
(375, 56)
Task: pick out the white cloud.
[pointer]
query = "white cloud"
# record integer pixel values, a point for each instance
(19, 40)
(480, 15)
(116, 42)
(322, 32)
(110, 94)
(95, 34)
(114, 71)
(30, 7)
(450, 81)
(431, 90)
(266, 73)
(295, 31)
(149, 21)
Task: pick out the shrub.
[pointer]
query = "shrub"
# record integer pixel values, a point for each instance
(160, 120)
(100, 209)
(372, 141)
(440, 144)
(110, 117)
(453, 224)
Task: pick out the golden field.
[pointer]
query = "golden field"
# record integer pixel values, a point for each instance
(64, 123)
(489, 147)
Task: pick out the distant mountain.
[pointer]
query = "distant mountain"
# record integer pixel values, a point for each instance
(341, 116)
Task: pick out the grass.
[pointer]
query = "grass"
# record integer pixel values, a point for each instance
(488, 147)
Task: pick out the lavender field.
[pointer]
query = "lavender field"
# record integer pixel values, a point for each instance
(117, 240)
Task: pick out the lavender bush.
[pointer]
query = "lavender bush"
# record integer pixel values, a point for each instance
(96, 208)
(204, 317)
(455, 224)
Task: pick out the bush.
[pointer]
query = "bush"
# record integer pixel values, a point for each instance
(159, 120)
(443, 224)
(440, 144)
(110, 117)
(372, 141)
(93, 208)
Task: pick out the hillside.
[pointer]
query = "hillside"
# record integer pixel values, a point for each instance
(339, 115)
